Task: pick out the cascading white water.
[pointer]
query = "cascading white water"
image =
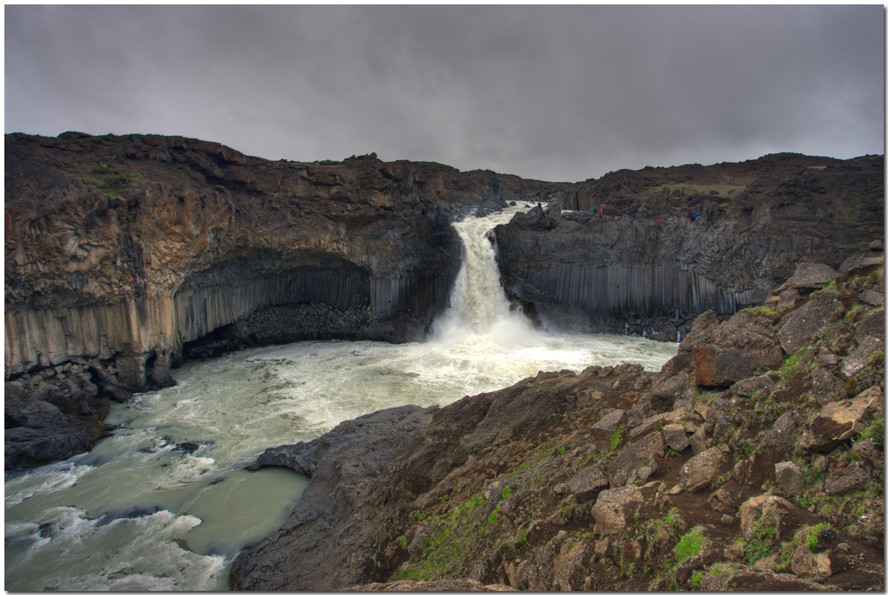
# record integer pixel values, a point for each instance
(479, 310)
(146, 511)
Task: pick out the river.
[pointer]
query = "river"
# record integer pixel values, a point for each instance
(164, 503)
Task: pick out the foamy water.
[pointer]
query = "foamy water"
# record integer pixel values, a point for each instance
(164, 503)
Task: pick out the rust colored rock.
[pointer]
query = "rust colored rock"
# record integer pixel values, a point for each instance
(714, 367)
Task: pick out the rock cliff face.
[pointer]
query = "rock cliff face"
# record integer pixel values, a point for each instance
(645, 266)
(126, 254)
(754, 460)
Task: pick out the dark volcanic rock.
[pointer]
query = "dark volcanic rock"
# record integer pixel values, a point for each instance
(365, 443)
(812, 275)
(340, 463)
(519, 487)
(727, 353)
(807, 321)
(644, 266)
(128, 254)
(337, 519)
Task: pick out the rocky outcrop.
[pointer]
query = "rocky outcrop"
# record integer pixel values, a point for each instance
(645, 267)
(619, 479)
(342, 464)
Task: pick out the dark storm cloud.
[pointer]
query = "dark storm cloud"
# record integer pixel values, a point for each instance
(558, 93)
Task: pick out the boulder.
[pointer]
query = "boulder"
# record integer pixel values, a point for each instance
(702, 325)
(747, 386)
(733, 350)
(700, 471)
(826, 387)
(669, 387)
(872, 297)
(751, 579)
(810, 275)
(27, 447)
(655, 422)
(873, 325)
(781, 434)
(806, 322)
(614, 506)
(821, 564)
(714, 367)
(368, 442)
(862, 263)
(860, 358)
(587, 483)
(568, 565)
(805, 563)
(790, 478)
(840, 421)
(444, 585)
(853, 477)
(723, 500)
(38, 414)
(636, 461)
(698, 440)
(764, 505)
(828, 359)
(602, 430)
(676, 437)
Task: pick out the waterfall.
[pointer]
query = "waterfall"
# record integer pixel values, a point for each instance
(478, 304)
(182, 515)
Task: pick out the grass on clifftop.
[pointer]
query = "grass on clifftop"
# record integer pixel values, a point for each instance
(112, 181)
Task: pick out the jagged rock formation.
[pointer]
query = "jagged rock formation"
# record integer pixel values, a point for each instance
(645, 266)
(712, 474)
(124, 254)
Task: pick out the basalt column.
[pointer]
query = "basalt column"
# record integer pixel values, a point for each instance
(606, 274)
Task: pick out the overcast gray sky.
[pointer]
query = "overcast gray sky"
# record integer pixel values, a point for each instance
(554, 93)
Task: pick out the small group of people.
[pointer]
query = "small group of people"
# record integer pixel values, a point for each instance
(692, 215)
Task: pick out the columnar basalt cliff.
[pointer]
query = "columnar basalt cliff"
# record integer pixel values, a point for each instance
(126, 254)
(645, 266)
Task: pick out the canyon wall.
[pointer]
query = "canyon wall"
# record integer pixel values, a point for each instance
(645, 266)
(126, 255)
